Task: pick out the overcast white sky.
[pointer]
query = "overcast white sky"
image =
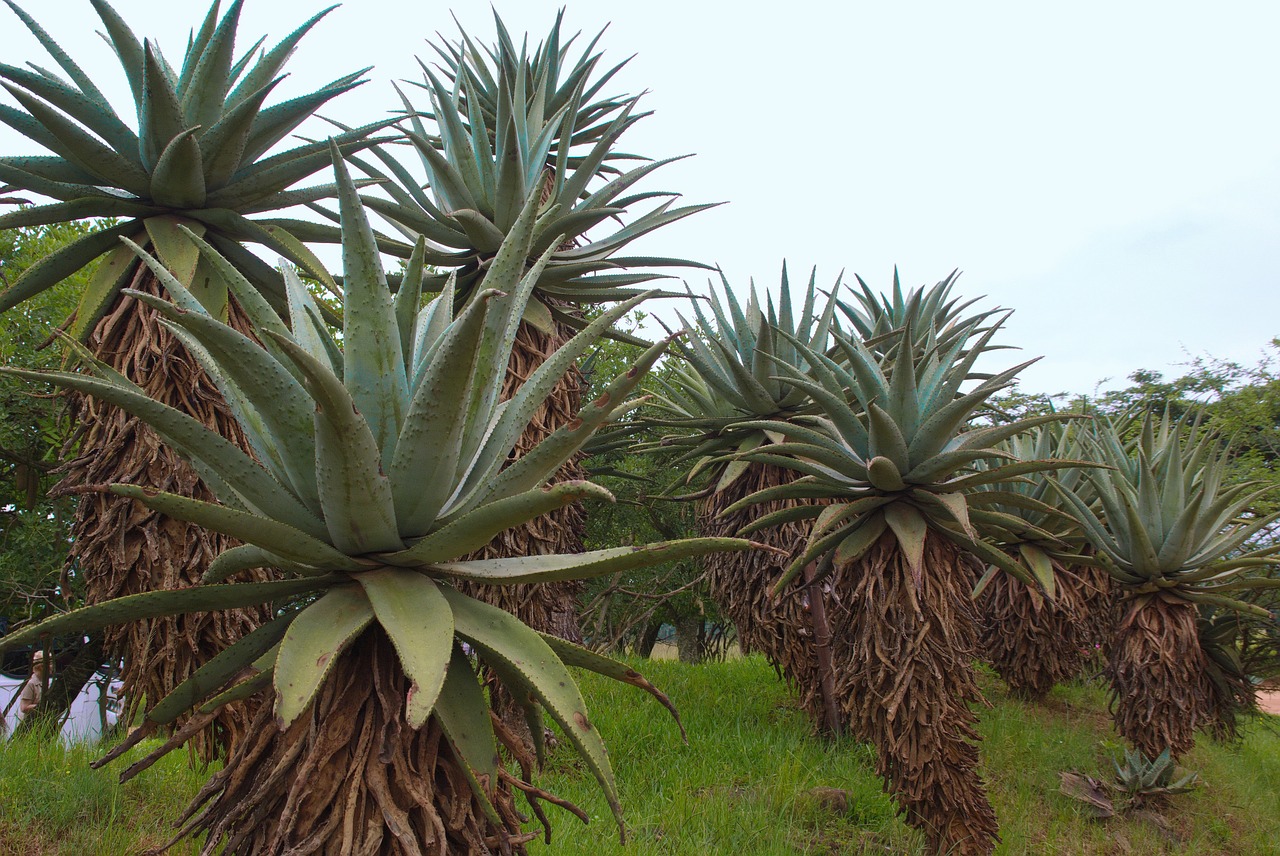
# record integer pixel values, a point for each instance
(1108, 169)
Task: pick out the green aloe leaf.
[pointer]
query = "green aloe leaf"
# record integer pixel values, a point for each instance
(311, 646)
(157, 604)
(473, 530)
(220, 670)
(354, 492)
(594, 563)
(530, 668)
(419, 621)
(265, 532)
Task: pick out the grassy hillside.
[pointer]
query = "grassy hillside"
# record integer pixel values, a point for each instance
(751, 781)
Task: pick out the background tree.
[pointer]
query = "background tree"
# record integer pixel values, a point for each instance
(35, 580)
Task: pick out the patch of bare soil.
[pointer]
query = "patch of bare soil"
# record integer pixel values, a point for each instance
(1269, 701)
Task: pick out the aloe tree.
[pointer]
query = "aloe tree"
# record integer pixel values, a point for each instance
(890, 450)
(1176, 537)
(504, 126)
(713, 399)
(377, 466)
(199, 160)
(1036, 636)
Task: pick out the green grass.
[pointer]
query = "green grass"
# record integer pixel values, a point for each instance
(745, 784)
(51, 802)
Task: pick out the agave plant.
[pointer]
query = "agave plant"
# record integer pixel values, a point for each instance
(714, 398)
(1031, 640)
(890, 451)
(197, 159)
(1175, 537)
(377, 465)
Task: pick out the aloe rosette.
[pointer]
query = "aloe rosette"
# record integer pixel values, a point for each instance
(1038, 636)
(200, 155)
(378, 463)
(891, 452)
(707, 406)
(1176, 536)
(199, 151)
(502, 126)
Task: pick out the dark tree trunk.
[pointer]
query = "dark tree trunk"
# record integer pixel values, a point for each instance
(647, 638)
(778, 626)
(691, 637)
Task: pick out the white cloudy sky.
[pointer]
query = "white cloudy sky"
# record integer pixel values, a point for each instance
(1108, 169)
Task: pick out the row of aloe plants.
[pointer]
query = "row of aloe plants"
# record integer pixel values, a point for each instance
(378, 512)
(922, 530)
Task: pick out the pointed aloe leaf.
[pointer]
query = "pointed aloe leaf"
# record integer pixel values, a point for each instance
(353, 491)
(1041, 567)
(206, 92)
(428, 450)
(885, 475)
(307, 328)
(779, 517)
(911, 529)
(956, 506)
(407, 303)
(237, 559)
(243, 690)
(594, 563)
(223, 144)
(268, 66)
(990, 554)
(192, 439)
(463, 713)
(471, 531)
(419, 621)
(536, 465)
(583, 658)
(312, 645)
(857, 542)
(158, 604)
(178, 178)
(64, 262)
(886, 436)
(374, 372)
(286, 411)
(115, 270)
(83, 149)
(529, 667)
(280, 538)
(529, 397)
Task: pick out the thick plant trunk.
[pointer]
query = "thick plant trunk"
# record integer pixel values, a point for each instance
(1032, 642)
(1100, 606)
(907, 686)
(351, 777)
(548, 607)
(779, 627)
(1160, 687)
(122, 547)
